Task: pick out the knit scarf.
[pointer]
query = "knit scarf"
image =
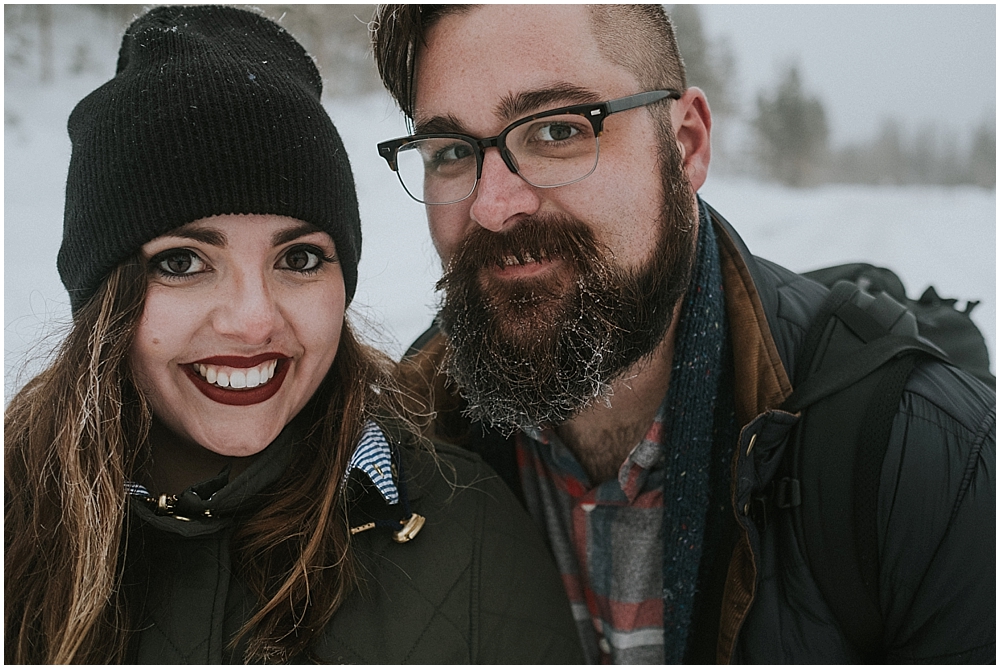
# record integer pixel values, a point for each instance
(689, 418)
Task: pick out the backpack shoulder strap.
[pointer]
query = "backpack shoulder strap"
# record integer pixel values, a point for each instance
(856, 359)
(852, 335)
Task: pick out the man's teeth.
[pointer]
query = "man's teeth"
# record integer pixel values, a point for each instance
(509, 261)
(233, 377)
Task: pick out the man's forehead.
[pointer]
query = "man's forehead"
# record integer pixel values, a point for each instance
(480, 22)
(512, 106)
(500, 62)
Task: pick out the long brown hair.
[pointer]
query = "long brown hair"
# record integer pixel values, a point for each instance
(78, 431)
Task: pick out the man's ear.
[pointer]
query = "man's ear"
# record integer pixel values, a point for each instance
(692, 123)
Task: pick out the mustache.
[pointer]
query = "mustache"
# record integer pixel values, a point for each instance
(539, 237)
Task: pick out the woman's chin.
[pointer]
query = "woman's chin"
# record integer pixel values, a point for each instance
(241, 443)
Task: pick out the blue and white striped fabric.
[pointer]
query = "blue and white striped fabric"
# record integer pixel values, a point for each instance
(137, 489)
(374, 457)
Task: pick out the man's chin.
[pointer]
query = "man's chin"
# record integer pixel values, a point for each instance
(525, 312)
(530, 329)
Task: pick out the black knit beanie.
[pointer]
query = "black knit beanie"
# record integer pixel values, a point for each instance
(213, 110)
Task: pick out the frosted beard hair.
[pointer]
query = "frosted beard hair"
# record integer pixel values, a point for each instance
(534, 352)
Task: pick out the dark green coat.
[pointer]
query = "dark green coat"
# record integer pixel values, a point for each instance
(476, 585)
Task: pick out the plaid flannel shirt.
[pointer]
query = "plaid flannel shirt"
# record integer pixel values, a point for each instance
(607, 540)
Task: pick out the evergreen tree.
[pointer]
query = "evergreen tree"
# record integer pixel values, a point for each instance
(793, 133)
(983, 155)
(709, 66)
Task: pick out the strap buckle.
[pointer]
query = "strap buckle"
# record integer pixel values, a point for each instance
(785, 493)
(411, 527)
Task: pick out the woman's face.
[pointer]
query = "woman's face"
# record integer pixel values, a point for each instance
(241, 323)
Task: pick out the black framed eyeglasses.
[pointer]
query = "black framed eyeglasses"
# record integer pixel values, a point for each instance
(549, 149)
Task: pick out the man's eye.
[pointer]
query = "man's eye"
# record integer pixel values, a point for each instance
(177, 262)
(302, 259)
(555, 132)
(454, 152)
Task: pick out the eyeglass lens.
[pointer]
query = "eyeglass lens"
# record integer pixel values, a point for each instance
(546, 152)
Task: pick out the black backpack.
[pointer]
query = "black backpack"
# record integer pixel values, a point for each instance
(938, 319)
(856, 359)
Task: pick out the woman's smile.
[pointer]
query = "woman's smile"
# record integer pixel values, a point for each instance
(233, 381)
(235, 377)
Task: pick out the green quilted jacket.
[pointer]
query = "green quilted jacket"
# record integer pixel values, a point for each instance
(475, 585)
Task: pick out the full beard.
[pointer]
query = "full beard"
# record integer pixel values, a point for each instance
(535, 352)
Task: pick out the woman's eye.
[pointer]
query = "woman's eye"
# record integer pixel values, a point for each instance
(177, 262)
(302, 259)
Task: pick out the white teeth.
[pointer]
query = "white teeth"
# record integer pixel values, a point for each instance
(233, 377)
(238, 380)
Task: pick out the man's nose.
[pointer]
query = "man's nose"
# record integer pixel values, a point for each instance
(501, 197)
(248, 312)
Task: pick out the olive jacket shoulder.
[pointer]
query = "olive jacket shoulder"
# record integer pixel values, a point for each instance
(936, 523)
(475, 585)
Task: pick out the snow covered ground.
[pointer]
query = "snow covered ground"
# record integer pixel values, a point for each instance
(928, 235)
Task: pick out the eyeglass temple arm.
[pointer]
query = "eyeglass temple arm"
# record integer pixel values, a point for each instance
(640, 100)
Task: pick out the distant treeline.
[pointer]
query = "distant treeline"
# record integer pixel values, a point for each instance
(788, 138)
(792, 146)
(922, 156)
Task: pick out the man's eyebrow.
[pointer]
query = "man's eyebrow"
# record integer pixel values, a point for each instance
(437, 124)
(291, 234)
(514, 106)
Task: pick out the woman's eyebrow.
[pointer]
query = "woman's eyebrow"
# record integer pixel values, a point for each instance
(204, 235)
(291, 234)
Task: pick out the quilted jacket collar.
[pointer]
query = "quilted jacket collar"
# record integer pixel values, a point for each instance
(209, 506)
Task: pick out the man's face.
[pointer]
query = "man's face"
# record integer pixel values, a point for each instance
(550, 294)
(494, 64)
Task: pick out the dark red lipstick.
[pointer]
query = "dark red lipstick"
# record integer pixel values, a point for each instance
(239, 397)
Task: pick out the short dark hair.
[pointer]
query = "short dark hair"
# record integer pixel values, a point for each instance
(639, 38)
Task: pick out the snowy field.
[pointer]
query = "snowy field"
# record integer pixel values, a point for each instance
(928, 235)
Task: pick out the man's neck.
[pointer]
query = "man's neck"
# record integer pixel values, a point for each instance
(603, 435)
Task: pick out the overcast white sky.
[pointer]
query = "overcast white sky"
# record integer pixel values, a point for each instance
(920, 63)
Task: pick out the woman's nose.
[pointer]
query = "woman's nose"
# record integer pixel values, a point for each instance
(247, 310)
